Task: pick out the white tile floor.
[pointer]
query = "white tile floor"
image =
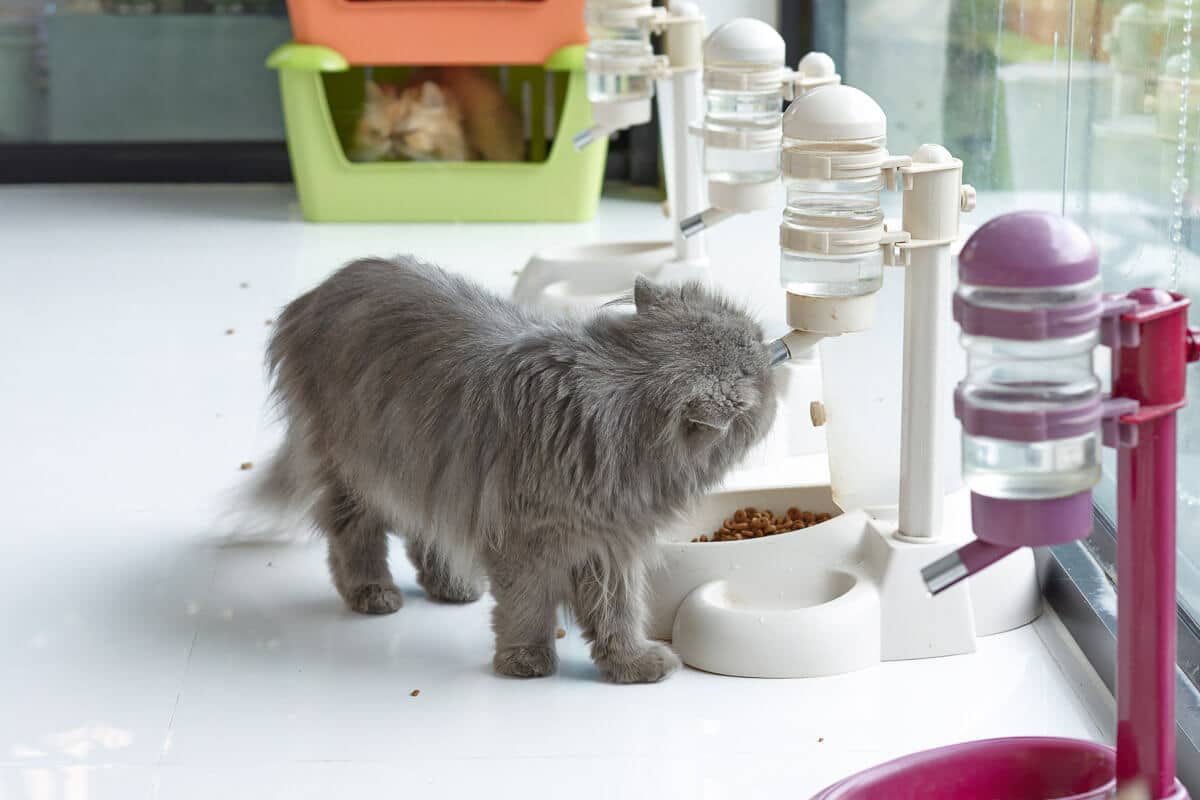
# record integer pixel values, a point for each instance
(139, 659)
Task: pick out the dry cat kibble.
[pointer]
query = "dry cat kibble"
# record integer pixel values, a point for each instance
(246, 465)
(414, 693)
(751, 523)
(559, 633)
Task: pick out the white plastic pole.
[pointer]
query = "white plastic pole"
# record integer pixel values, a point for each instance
(687, 98)
(931, 208)
(926, 285)
(681, 103)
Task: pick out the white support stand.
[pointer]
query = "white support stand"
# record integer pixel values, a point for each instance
(684, 177)
(932, 199)
(684, 45)
(926, 282)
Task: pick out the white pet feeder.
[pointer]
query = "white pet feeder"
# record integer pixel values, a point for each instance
(847, 593)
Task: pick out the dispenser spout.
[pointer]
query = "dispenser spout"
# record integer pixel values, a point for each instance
(792, 344)
(705, 219)
(962, 563)
(588, 135)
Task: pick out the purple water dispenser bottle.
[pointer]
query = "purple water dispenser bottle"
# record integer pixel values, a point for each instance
(1029, 306)
(1031, 311)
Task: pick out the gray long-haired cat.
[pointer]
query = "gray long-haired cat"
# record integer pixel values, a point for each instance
(539, 451)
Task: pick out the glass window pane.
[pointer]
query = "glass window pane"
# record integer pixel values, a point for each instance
(1135, 192)
(1086, 107)
(96, 71)
(22, 72)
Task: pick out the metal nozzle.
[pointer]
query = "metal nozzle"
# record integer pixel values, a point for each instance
(791, 345)
(585, 137)
(777, 352)
(963, 562)
(705, 219)
(944, 573)
(692, 225)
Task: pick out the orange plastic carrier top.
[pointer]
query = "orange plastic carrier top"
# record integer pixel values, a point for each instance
(428, 32)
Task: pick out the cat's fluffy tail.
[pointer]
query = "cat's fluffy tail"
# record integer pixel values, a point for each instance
(276, 504)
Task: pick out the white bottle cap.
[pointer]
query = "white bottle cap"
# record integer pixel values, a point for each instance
(744, 41)
(816, 65)
(834, 113)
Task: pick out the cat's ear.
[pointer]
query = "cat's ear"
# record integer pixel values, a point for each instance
(432, 96)
(647, 295)
(694, 292)
(374, 93)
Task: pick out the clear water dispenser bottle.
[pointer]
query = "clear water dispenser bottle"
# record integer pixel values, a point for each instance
(1031, 309)
(621, 66)
(834, 148)
(745, 84)
(1030, 402)
(743, 76)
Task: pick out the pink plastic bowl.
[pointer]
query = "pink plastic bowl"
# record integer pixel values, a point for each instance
(1024, 768)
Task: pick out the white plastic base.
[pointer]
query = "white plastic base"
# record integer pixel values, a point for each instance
(831, 315)
(743, 197)
(733, 630)
(617, 115)
(836, 597)
(589, 275)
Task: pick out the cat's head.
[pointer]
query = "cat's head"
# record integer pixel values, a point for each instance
(717, 386)
(419, 123)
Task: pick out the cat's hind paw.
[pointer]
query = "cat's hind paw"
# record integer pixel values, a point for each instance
(651, 665)
(526, 662)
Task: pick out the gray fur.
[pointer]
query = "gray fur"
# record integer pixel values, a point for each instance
(539, 451)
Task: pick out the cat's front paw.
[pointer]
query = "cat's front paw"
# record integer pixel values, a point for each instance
(443, 589)
(651, 665)
(526, 662)
(375, 598)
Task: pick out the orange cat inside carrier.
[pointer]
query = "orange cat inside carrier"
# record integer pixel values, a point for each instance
(406, 110)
